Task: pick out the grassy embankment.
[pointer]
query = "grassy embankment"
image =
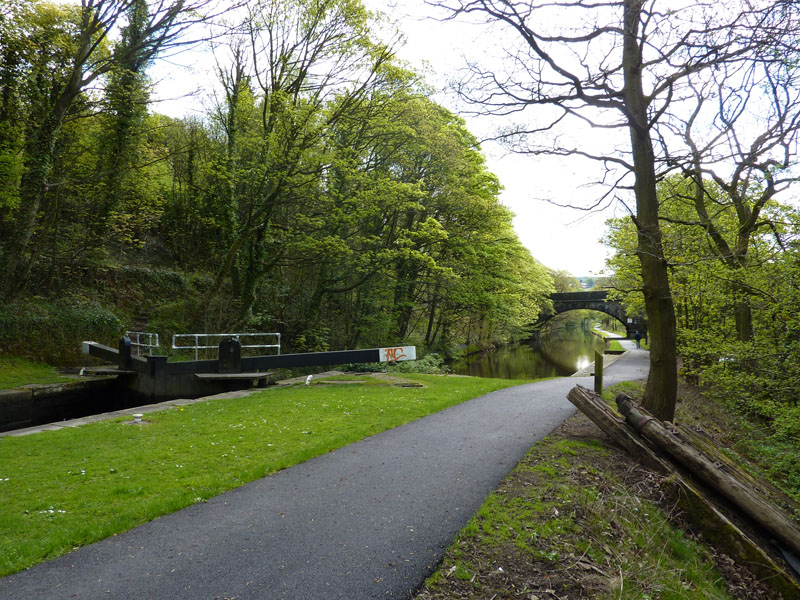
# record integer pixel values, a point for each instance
(16, 372)
(67, 488)
(579, 517)
(615, 346)
(603, 334)
(611, 344)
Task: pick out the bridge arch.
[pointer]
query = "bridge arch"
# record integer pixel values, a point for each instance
(595, 300)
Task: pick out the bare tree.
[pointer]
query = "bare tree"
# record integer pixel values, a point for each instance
(744, 148)
(617, 66)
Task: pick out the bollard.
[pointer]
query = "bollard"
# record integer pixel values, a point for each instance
(124, 353)
(230, 356)
(598, 373)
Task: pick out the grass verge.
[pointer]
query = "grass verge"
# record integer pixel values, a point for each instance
(579, 518)
(16, 372)
(602, 333)
(63, 489)
(615, 346)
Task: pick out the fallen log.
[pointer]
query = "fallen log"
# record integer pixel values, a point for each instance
(710, 447)
(698, 505)
(763, 512)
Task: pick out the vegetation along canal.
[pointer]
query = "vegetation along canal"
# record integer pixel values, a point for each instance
(565, 348)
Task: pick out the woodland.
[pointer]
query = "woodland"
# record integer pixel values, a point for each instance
(323, 195)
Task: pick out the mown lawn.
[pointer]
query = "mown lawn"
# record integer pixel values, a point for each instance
(63, 489)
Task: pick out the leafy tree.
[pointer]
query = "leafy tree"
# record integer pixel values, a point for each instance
(15, 56)
(755, 374)
(71, 47)
(121, 141)
(305, 56)
(565, 281)
(741, 157)
(324, 195)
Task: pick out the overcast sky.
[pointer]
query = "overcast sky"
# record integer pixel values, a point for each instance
(560, 238)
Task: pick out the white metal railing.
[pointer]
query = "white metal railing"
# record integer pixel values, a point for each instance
(142, 339)
(198, 337)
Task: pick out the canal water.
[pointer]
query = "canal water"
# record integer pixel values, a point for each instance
(560, 353)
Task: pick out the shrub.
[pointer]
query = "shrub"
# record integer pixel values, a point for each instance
(756, 378)
(430, 363)
(52, 331)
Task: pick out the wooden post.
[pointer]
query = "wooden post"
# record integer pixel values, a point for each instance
(696, 502)
(598, 373)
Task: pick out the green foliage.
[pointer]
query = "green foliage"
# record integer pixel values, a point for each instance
(566, 282)
(53, 331)
(16, 372)
(333, 201)
(759, 277)
(430, 363)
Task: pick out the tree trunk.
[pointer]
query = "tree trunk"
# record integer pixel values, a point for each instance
(662, 384)
(743, 315)
(431, 318)
(33, 189)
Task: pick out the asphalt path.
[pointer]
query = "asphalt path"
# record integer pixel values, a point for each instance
(370, 520)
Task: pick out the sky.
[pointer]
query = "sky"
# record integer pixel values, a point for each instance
(560, 238)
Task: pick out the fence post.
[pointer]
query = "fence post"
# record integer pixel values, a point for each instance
(598, 373)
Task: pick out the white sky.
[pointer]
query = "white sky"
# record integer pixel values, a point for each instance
(560, 238)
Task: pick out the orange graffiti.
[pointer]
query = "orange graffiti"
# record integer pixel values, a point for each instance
(394, 354)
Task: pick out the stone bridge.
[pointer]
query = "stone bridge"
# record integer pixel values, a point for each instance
(598, 300)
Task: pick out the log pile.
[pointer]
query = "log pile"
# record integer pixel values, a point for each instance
(708, 485)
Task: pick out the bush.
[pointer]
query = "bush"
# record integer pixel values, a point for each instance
(430, 363)
(756, 378)
(52, 331)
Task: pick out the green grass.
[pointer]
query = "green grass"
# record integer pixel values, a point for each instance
(572, 519)
(615, 346)
(16, 372)
(603, 334)
(63, 489)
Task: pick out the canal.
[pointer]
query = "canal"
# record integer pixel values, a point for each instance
(562, 351)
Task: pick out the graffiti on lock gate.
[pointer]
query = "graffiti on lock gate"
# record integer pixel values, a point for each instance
(398, 353)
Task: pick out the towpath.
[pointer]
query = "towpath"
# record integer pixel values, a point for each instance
(370, 520)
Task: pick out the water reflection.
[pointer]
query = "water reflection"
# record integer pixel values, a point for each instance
(561, 353)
